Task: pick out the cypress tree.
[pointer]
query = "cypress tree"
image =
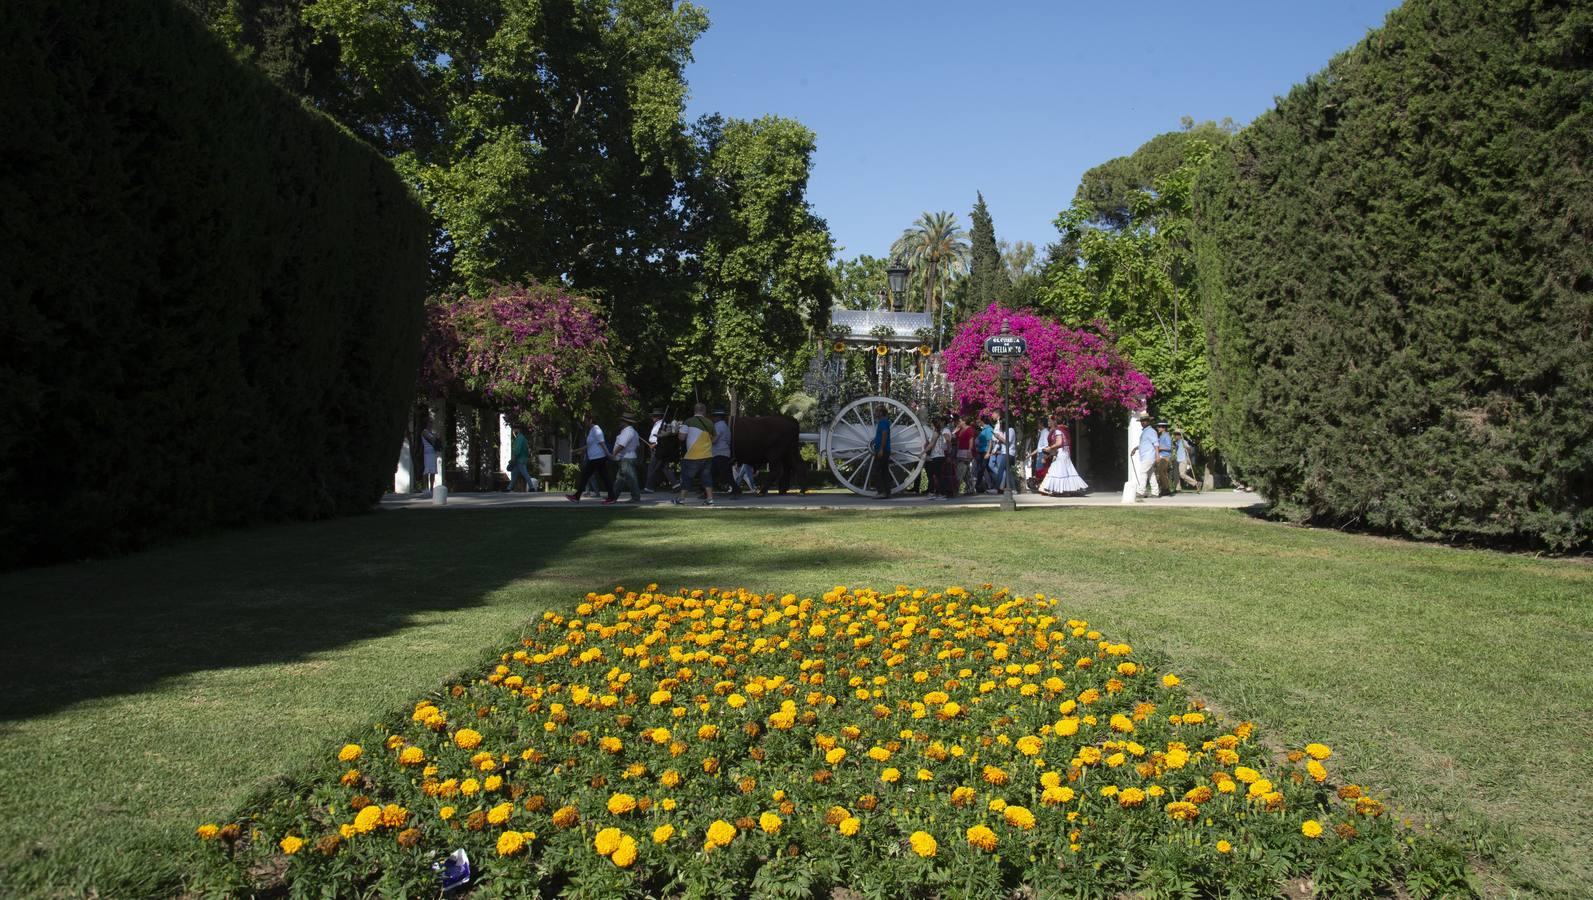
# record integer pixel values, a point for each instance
(987, 275)
(1396, 264)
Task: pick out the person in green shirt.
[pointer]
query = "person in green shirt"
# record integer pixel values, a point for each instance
(519, 460)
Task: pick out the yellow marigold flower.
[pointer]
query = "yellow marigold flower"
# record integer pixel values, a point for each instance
(446, 813)
(467, 738)
(350, 752)
(207, 831)
(849, 826)
(878, 754)
(1317, 770)
(925, 775)
(923, 844)
(770, 823)
(620, 804)
(1246, 774)
(411, 756)
(566, 817)
(1018, 817)
(1176, 759)
(834, 756)
(1224, 847)
(510, 843)
(1260, 787)
(1318, 751)
(607, 841)
(394, 816)
(1170, 680)
(667, 804)
(1131, 797)
(1056, 795)
(981, 837)
(962, 796)
(995, 775)
(707, 732)
(1121, 723)
(610, 744)
(1029, 745)
(720, 834)
(997, 805)
(783, 719)
(500, 814)
(1089, 755)
(949, 710)
(493, 783)
(347, 830)
(1194, 718)
(1066, 727)
(367, 820)
(625, 854)
(736, 701)
(663, 833)
(1183, 811)
(890, 775)
(1311, 828)
(469, 787)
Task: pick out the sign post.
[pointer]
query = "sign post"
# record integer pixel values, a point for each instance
(1007, 347)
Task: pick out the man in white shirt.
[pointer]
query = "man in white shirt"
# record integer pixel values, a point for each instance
(596, 462)
(655, 461)
(624, 453)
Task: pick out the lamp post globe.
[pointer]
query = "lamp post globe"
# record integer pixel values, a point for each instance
(897, 275)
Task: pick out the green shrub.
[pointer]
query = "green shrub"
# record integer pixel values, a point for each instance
(1397, 268)
(213, 294)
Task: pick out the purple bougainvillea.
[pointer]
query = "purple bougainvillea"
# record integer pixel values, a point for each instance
(1068, 371)
(533, 351)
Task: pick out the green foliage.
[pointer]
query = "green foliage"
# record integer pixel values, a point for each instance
(987, 272)
(935, 249)
(858, 281)
(1397, 268)
(214, 295)
(1139, 280)
(765, 281)
(1111, 189)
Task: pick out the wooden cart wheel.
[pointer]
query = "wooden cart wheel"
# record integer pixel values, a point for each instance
(852, 458)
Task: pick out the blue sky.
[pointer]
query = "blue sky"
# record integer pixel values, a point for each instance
(919, 104)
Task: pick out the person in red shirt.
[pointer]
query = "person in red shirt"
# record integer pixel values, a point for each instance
(965, 444)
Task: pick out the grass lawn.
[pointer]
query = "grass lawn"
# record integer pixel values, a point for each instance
(148, 694)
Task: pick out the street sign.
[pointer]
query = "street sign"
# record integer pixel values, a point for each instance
(1006, 345)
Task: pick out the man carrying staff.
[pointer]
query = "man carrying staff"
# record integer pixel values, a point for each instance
(624, 453)
(696, 463)
(655, 464)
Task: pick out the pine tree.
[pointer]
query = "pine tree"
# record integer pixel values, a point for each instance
(987, 277)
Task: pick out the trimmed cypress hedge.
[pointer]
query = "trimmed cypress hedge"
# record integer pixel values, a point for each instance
(212, 294)
(1397, 273)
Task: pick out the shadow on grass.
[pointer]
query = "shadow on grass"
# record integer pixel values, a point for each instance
(284, 593)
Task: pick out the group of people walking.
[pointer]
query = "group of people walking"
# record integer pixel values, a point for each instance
(704, 460)
(1163, 461)
(978, 454)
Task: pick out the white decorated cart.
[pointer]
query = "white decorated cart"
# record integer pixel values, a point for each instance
(876, 362)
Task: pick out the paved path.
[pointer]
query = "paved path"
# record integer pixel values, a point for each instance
(828, 499)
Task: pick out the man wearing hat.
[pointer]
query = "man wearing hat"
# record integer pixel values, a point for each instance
(655, 464)
(624, 453)
(723, 472)
(1164, 459)
(1145, 459)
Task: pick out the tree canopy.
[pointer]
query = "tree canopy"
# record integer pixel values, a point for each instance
(1397, 267)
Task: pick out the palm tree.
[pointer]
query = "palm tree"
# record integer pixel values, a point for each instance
(935, 248)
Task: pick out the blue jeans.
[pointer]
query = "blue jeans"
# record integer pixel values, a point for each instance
(696, 471)
(627, 475)
(517, 467)
(1000, 468)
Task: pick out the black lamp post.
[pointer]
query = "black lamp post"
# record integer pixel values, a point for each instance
(897, 275)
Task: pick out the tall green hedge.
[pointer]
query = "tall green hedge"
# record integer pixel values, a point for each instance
(1397, 267)
(212, 294)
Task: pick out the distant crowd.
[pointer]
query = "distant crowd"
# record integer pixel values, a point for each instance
(961, 455)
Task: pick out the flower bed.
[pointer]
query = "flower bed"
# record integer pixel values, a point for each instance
(721, 743)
